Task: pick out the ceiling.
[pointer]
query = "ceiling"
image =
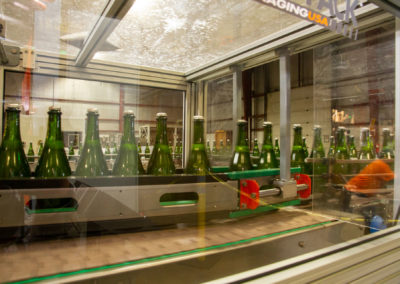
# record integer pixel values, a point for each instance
(167, 34)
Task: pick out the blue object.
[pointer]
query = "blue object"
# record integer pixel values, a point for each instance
(377, 224)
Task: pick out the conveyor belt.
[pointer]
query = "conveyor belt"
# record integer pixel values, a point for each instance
(57, 258)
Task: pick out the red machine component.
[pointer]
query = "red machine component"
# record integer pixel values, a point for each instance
(303, 179)
(249, 194)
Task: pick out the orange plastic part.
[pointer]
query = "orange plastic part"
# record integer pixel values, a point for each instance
(372, 178)
(249, 194)
(303, 179)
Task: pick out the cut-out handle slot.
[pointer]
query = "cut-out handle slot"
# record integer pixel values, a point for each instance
(179, 199)
(50, 205)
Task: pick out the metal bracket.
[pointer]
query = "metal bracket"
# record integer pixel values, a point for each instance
(9, 55)
(28, 58)
(288, 188)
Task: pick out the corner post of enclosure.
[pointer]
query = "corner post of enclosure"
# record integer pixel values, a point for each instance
(284, 75)
(188, 113)
(237, 106)
(396, 196)
(2, 79)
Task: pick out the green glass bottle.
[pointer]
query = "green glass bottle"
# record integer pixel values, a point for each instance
(297, 155)
(71, 153)
(371, 140)
(221, 147)
(91, 162)
(318, 168)
(31, 154)
(341, 153)
(180, 148)
(317, 151)
(228, 147)
(114, 151)
(161, 162)
(170, 147)
(240, 160)
(107, 152)
(277, 151)
(256, 150)
(387, 151)
(128, 162)
(147, 151)
(276, 148)
(366, 150)
(40, 151)
(332, 150)
(208, 147)
(198, 160)
(13, 162)
(53, 162)
(305, 148)
(214, 149)
(139, 148)
(352, 149)
(267, 157)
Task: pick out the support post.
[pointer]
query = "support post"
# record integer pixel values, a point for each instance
(237, 106)
(396, 195)
(284, 75)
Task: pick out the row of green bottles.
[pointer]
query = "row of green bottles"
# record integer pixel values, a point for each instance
(223, 150)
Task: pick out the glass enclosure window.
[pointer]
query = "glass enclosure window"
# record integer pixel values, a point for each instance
(261, 96)
(220, 120)
(51, 26)
(354, 88)
(76, 96)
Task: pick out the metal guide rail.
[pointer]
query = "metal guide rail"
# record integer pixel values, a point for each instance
(195, 253)
(112, 203)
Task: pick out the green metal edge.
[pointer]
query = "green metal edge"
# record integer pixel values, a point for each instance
(50, 210)
(258, 173)
(180, 202)
(220, 169)
(134, 262)
(266, 208)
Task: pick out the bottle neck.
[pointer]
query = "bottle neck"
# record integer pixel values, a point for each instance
(386, 139)
(317, 139)
(92, 129)
(352, 145)
(161, 135)
(276, 143)
(12, 130)
(198, 137)
(54, 126)
(241, 137)
(129, 129)
(268, 135)
(297, 141)
(332, 143)
(341, 139)
(365, 139)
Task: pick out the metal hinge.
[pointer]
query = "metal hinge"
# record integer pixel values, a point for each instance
(9, 55)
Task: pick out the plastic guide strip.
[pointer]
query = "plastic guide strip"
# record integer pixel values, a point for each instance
(266, 208)
(50, 210)
(162, 257)
(258, 173)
